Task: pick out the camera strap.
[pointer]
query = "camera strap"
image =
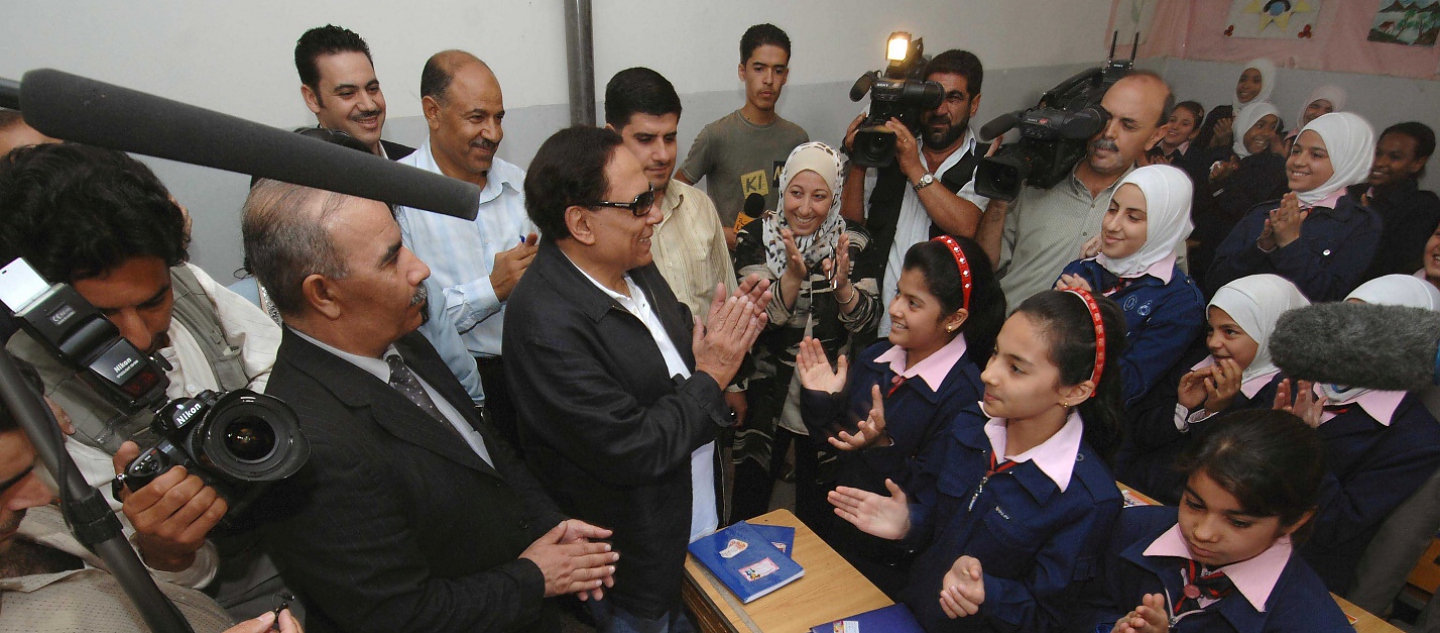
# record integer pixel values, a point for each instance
(883, 210)
(196, 311)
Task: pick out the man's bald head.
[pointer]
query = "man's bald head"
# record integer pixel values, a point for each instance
(440, 70)
(463, 107)
(286, 233)
(1139, 106)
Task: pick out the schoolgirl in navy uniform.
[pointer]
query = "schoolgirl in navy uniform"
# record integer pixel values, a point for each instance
(1317, 236)
(1380, 446)
(944, 319)
(1237, 374)
(1013, 503)
(1223, 561)
(1149, 218)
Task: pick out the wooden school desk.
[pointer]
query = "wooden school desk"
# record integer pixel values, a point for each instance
(831, 589)
(1365, 622)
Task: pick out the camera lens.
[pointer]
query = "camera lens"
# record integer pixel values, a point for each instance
(249, 438)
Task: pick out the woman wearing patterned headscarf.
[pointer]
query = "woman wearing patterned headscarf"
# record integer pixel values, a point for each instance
(806, 250)
(1317, 236)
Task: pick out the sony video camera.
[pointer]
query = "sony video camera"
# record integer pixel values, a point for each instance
(1054, 135)
(237, 441)
(902, 93)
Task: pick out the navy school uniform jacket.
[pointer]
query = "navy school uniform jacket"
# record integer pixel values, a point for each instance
(1035, 543)
(1327, 261)
(1298, 602)
(1372, 469)
(914, 415)
(1161, 319)
(1152, 442)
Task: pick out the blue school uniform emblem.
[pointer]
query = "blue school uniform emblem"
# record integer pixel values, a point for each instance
(1130, 303)
(1145, 309)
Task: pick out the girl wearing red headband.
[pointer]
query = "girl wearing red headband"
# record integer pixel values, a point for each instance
(945, 315)
(1011, 505)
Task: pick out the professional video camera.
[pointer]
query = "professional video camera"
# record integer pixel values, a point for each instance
(902, 93)
(1054, 134)
(236, 441)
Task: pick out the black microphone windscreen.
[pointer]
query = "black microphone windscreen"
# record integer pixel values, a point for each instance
(754, 205)
(998, 126)
(83, 110)
(1389, 348)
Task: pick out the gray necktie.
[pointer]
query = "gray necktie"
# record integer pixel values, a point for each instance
(404, 381)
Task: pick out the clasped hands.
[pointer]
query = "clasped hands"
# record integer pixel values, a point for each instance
(733, 324)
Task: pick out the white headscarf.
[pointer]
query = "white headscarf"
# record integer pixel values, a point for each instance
(1256, 303)
(1167, 193)
(1350, 142)
(1329, 92)
(1398, 290)
(1267, 81)
(1389, 290)
(1246, 119)
(820, 245)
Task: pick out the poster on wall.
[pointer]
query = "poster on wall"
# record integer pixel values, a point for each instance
(1135, 16)
(1273, 19)
(1408, 22)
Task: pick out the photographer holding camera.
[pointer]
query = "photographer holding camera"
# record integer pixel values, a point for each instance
(899, 204)
(1031, 239)
(102, 222)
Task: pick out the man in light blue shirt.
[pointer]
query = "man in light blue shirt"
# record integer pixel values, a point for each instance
(474, 263)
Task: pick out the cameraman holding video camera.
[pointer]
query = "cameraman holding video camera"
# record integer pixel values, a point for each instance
(102, 222)
(1031, 239)
(900, 204)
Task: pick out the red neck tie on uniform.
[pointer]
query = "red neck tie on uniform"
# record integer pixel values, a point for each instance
(1214, 585)
(895, 385)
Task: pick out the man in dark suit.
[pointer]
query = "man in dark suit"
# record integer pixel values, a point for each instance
(338, 83)
(620, 393)
(409, 515)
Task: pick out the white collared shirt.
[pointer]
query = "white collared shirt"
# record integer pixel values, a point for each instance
(703, 518)
(913, 224)
(379, 368)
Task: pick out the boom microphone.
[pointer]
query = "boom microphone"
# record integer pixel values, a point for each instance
(74, 108)
(998, 126)
(1390, 348)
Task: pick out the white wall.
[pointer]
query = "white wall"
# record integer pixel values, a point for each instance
(237, 58)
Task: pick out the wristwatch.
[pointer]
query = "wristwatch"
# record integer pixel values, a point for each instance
(925, 181)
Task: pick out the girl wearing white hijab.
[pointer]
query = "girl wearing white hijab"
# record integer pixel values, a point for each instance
(1316, 236)
(1255, 129)
(1380, 446)
(1149, 217)
(1323, 100)
(1256, 83)
(798, 247)
(1237, 374)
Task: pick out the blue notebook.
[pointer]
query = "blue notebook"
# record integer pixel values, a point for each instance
(783, 538)
(747, 562)
(895, 618)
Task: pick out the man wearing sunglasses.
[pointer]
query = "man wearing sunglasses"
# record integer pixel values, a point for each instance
(621, 389)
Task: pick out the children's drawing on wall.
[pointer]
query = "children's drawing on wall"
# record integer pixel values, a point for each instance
(1273, 19)
(1409, 22)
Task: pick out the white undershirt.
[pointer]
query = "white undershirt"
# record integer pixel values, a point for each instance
(703, 518)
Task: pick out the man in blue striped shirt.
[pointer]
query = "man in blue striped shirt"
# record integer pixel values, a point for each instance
(475, 263)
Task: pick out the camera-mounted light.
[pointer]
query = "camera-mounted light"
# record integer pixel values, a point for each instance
(897, 48)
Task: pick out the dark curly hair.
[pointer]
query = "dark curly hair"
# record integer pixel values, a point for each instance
(75, 212)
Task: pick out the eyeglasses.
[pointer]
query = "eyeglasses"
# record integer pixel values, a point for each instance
(638, 207)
